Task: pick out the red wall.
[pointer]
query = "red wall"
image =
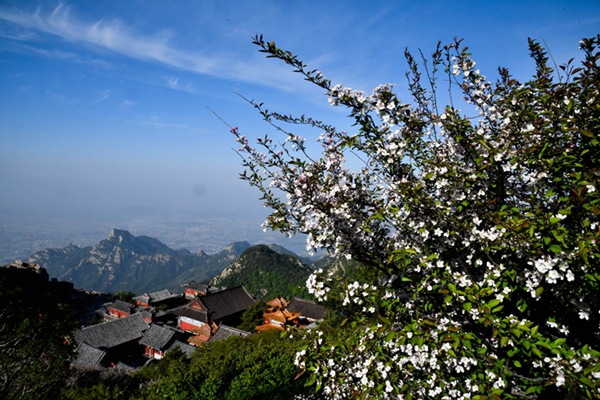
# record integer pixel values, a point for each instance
(187, 326)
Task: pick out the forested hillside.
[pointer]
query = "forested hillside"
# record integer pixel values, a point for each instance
(266, 273)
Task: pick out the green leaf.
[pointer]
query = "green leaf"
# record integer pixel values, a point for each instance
(493, 303)
(556, 248)
(534, 329)
(587, 382)
(587, 133)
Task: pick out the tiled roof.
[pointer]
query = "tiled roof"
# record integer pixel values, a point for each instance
(184, 347)
(147, 312)
(201, 335)
(190, 313)
(203, 330)
(112, 333)
(197, 305)
(278, 302)
(120, 305)
(150, 298)
(282, 316)
(266, 327)
(88, 355)
(157, 337)
(306, 308)
(201, 287)
(227, 302)
(226, 331)
(125, 366)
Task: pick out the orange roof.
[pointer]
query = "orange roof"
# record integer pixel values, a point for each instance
(202, 330)
(292, 315)
(197, 340)
(276, 316)
(278, 303)
(267, 327)
(283, 316)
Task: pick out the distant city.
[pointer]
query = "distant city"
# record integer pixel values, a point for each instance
(20, 238)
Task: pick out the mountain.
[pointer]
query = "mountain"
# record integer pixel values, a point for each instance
(339, 267)
(212, 265)
(282, 250)
(266, 273)
(139, 264)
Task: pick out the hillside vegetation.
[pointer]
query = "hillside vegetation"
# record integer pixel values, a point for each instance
(266, 273)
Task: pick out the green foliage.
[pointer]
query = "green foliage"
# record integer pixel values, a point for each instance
(267, 274)
(99, 391)
(96, 382)
(34, 328)
(253, 316)
(478, 229)
(253, 367)
(126, 296)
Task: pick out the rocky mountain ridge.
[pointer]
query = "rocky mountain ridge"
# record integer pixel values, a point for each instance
(126, 262)
(142, 264)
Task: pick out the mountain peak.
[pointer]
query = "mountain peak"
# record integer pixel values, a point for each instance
(121, 235)
(237, 247)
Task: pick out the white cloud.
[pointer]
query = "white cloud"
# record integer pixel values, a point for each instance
(103, 96)
(17, 36)
(161, 125)
(174, 83)
(60, 55)
(114, 35)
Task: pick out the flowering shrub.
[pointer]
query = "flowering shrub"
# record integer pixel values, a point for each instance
(481, 223)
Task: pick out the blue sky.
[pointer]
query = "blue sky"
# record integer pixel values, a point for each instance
(103, 104)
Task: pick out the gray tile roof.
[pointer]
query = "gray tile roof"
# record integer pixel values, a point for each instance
(202, 287)
(227, 302)
(225, 331)
(112, 333)
(157, 337)
(126, 366)
(155, 297)
(306, 308)
(88, 355)
(186, 311)
(120, 305)
(185, 348)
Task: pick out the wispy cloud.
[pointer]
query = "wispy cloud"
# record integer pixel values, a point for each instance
(17, 35)
(116, 36)
(161, 125)
(105, 95)
(175, 84)
(60, 55)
